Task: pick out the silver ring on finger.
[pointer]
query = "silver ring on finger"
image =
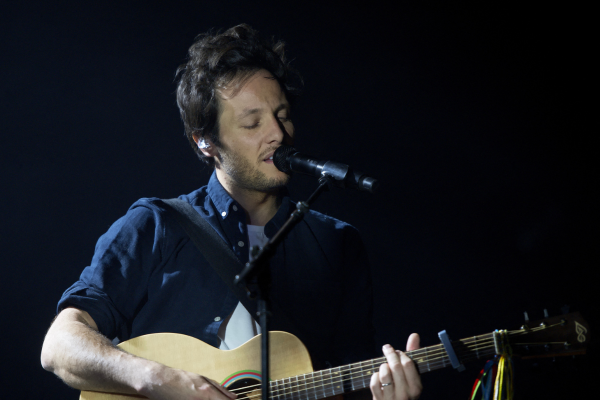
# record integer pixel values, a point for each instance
(386, 384)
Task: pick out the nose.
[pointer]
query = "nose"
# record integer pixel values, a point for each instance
(279, 133)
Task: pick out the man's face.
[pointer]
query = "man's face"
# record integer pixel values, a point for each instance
(253, 123)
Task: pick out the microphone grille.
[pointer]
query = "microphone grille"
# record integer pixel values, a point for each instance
(280, 158)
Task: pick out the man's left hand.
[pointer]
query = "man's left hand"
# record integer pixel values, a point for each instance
(398, 379)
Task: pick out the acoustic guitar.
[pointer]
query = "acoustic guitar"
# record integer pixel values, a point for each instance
(291, 369)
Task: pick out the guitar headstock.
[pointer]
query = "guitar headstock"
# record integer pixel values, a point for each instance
(563, 335)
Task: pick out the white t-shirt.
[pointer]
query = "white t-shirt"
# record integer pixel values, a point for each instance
(239, 327)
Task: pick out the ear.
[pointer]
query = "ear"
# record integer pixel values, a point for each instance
(209, 151)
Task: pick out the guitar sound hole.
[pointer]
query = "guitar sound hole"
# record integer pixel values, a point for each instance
(252, 392)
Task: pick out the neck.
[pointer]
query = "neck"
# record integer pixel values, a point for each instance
(260, 207)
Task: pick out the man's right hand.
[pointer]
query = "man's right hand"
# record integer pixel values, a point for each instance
(169, 383)
(86, 360)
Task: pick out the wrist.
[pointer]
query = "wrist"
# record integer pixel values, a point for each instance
(148, 375)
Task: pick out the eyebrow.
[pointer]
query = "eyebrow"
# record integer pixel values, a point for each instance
(252, 111)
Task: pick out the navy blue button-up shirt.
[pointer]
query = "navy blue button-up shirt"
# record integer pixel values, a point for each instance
(147, 276)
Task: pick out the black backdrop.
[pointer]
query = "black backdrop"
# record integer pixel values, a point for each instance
(473, 117)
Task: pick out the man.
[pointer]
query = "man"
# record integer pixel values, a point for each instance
(147, 276)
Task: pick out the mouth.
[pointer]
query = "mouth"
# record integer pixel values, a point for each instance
(269, 158)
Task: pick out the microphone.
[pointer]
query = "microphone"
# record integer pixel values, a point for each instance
(287, 159)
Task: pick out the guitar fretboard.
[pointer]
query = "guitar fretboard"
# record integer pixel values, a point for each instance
(351, 377)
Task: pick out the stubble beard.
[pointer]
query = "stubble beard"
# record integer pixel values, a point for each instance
(248, 177)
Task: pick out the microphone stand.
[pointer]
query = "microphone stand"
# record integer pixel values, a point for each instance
(256, 277)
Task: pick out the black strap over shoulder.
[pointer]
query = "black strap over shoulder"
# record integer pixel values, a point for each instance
(212, 247)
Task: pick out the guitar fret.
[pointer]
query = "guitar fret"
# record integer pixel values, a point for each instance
(345, 383)
(312, 385)
(358, 378)
(298, 393)
(306, 387)
(289, 390)
(283, 390)
(295, 389)
(353, 377)
(373, 370)
(324, 384)
(275, 389)
(338, 383)
(330, 383)
(360, 375)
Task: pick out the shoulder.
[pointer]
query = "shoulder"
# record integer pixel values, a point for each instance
(328, 223)
(151, 214)
(197, 198)
(154, 207)
(333, 234)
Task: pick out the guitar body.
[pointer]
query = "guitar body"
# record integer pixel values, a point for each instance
(224, 366)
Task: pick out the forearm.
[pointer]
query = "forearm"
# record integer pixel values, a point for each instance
(86, 360)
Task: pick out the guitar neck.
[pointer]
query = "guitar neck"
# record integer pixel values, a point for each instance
(351, 377)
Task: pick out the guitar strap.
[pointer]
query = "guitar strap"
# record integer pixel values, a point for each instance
(212, 246)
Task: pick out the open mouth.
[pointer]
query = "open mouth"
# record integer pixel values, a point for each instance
(269, 159)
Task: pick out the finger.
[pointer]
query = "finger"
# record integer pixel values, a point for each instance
(413, 379)
(397, 371)
(375, 386)
(386, 382)
(413, 342)
(385, 375)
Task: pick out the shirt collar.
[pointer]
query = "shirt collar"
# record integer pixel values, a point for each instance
(223, 201)
(282, 214)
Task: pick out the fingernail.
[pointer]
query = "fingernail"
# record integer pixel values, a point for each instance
(387, 347)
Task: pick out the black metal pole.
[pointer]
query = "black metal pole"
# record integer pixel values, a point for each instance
(256, 273)
(264, 345)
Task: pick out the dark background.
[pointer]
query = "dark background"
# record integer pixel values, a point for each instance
(474, 117)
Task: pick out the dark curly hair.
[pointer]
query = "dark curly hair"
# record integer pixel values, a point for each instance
(217, 60)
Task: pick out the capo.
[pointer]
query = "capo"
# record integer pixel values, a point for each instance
(457, 365)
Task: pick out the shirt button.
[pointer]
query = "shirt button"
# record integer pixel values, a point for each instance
(223, 213)
(241, 244)
(234, 207)
(217, 319)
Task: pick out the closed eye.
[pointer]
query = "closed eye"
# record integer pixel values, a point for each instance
(251, 126)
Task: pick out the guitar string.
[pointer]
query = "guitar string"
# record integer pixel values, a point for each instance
(324, 387)
(435, 362)
(330, 376)
(432, 359)
(313, 391)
